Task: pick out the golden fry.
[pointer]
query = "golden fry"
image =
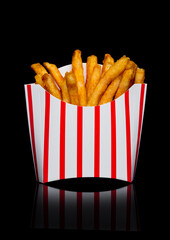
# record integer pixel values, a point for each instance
(131, 64)
(125, 83)
(140, 75)
(113, 72)
(91, 63)
(107, 63)
(38, 69)
(77, 68)
(38, 80)
(55, 73)
(95, 77)
(64, 91)
(110, 91)
(51, 85)
(72, 87)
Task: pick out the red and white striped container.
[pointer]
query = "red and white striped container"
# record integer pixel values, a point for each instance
(71, 141)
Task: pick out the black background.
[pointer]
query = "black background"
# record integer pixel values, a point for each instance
(51, 32)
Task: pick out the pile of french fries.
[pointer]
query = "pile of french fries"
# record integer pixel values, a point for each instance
(102, 84)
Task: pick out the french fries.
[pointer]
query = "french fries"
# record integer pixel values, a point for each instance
(140, 75)
(77, 68)
(103, 84)
(91, 63)
(72, 87)
(95, 77)
(51, 86)
(113, 72)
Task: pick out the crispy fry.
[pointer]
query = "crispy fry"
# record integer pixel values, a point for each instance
(72, 87)
(125, 83)
(131, 64)
(111, 74)
(38, 80)
(51, 85)
(95, 77)
(110, 91)
(91, 63)
(38, 69)
(140, 75)
(107, 63)
(64, 91)
(77, 68)
(55, 73)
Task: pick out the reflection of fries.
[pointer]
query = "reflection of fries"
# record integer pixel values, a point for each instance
(77, 68)
(125, 83)
(72, 87)
(113, 72)
(110, 91)
(91, 63)
(140, 75)
(95, 77)
(51, 85)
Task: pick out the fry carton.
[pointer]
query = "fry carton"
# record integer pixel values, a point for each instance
(70, 141)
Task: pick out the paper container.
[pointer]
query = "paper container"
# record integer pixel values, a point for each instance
(106, 210)
(71, 141)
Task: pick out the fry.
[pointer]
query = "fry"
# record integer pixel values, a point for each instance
(38, 69)
(131, 64)
(110, 91)
(72, 87)
(111, 74)
(51, 85)
(91, 63)
(125, 83)
(95, 77)
(107, 63)
(77, 68)
(55, 73)
(140, 75)
(38, 80)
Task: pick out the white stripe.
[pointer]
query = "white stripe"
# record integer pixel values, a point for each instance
(121, 208)
(70, 210)
(88, 142)
(105, 210)
(88, 210)
(134, 103)
(71, 141)
(121, 155)
(53, 208)
(105, 141)
(54, 139)
(38, 99)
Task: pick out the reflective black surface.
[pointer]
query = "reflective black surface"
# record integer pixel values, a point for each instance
(72, 209)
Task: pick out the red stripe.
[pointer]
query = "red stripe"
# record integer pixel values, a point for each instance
(46, 136)
(113, 209)
(79, 140)
(30, 107)
(62, 139)
(45, 205)
(128, 208)
(113, 139)
(128, 137)
(62, 209)
(79, 210)
(140, 122)
(97, 142)
(96, 210)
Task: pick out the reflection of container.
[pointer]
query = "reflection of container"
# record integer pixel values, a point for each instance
(71, 141)
(106, 210)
